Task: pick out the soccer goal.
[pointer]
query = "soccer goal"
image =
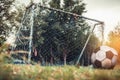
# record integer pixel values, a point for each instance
(53, 36)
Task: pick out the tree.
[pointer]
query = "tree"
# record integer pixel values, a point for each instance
(8, 16)
(64, 33)
(93, 43)
(59, 37)
(5, 18)
(114, 39)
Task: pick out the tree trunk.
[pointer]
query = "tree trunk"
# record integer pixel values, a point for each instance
(65, 56)
(51, 52)
(42, 58)
(51, 61)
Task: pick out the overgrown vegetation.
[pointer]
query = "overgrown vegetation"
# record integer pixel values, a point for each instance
(37, 72)
(114, 40)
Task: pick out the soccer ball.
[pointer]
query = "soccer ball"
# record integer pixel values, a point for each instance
(104, 57)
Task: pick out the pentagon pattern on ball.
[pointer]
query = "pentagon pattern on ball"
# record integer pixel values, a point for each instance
(97, 64)
(100, 55)
(104, 57)
(106, 48)
(106, 63)
(109, 54)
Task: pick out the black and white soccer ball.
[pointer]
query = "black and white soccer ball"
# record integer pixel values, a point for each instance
(104, 57)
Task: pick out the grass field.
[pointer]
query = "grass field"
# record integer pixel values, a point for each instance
(37, 72)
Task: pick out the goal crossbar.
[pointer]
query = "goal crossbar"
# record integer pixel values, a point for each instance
(63, 11)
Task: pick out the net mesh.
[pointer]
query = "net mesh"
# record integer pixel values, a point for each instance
(58, 37)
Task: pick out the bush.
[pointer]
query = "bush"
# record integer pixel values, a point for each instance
(5, 58)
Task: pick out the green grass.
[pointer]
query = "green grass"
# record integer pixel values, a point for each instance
(36, 72)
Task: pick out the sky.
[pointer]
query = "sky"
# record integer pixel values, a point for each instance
(107, 11)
